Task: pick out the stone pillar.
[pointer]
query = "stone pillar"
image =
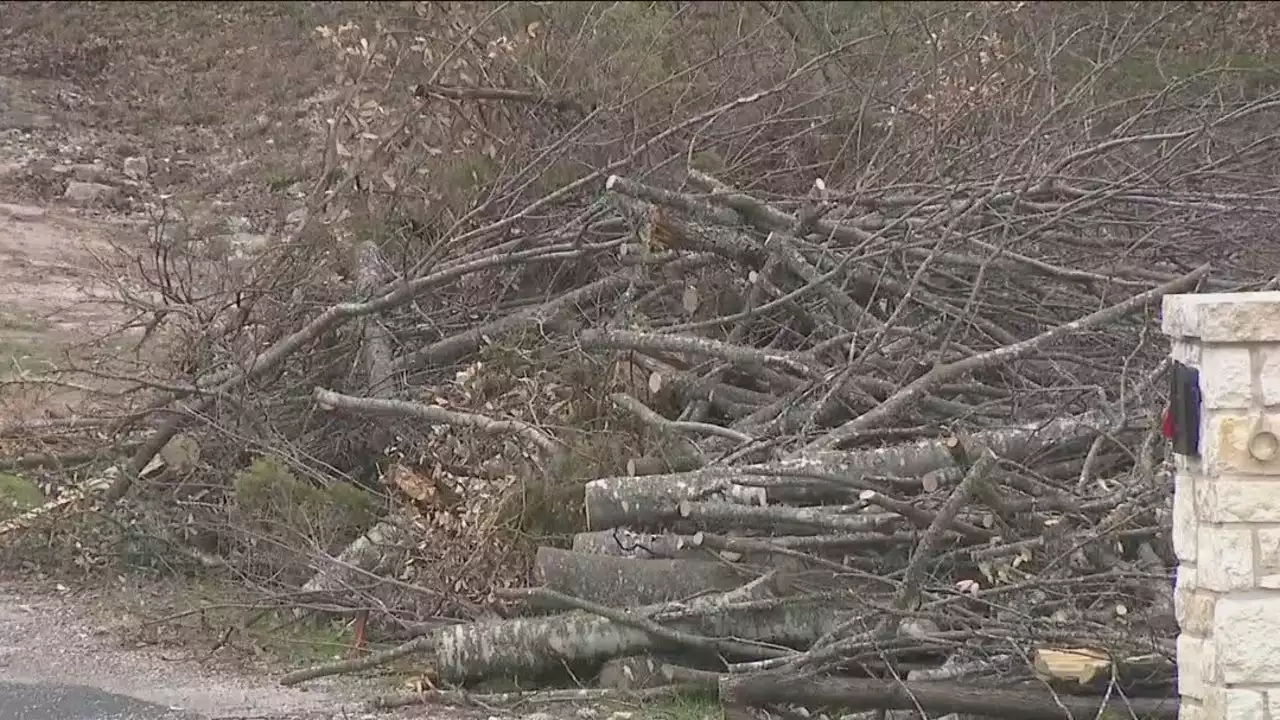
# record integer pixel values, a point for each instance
(1226, 526)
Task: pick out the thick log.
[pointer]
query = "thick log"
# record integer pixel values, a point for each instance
(624, 543)
(650, 501)
(632, 673)
(621, 542)
(913, 459)
(528, 646)
(1095, 668)
(1025, 702)
(625, 582)
(723, 515)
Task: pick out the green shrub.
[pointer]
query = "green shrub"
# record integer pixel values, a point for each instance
(269, 494)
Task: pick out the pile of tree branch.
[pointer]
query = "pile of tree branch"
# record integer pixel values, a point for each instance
(882, 478)
(898, 446)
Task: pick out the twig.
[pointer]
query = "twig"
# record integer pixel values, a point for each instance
(329, 400)
(918, 388)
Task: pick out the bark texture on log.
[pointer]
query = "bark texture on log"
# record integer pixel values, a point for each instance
(1026, 702)
(377, 551)
(624, 543)
(624, 582)
(528, 646)
(921, 457)
(650, 500)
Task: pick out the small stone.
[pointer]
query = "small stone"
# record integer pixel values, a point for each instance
(294, 221)
(20, 120)
(89, 172)
(249, 243)
(135, 168)
(21, 213)
(237, 224)
(87, 193)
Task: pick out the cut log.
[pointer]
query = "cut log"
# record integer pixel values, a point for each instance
(918, 458)
(1095, 668)
(377, 551)
(1025, 702)
(621, 542)
(625, 582)
(651, 500)
(723, 515)
(532, 645)
(632, 673)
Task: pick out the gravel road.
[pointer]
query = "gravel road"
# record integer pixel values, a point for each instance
(62, 659)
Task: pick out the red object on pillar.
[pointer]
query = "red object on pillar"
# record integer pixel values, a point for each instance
(1166, 425)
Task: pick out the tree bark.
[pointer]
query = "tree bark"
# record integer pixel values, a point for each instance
(652, 500)
(529, 646)
(625, 582)
(1027, 702)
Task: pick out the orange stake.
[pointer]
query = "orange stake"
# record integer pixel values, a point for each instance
(362, 617)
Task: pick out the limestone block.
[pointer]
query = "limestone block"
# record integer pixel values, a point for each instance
(1224, 557)
(1226, 380)
(1191, 709)
(1230, 375)
(1194, 610)
(1237, 500)
(1235, 704)
(1185, 486)
(1267, 570)
(1223, 317)
(1191, 667)
(1246, 639)
(1187, 353)
(1226, 445)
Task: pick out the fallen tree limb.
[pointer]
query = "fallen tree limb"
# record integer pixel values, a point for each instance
(624, 543)
(722, 514)
(334, 316)
(525, 646)
(650, 500)
(629, 619)
(1026, 702)
(484, 700)
(373, 552)
(625, 582)
(457, 347)
(652, 418)
(329, 400)
(917, 389)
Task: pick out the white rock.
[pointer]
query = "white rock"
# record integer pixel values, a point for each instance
(21, 213)
(89, 172)
(87, 193)
(135, 168)
(237, 224)
(294, 221)
(249, 243)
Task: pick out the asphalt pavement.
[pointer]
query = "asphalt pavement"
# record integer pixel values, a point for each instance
(48, 701)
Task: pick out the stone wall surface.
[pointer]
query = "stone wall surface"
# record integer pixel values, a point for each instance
(1226, 529)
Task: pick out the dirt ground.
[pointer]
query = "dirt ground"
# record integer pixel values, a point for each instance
(78, 638)
(55, 295)
(97, 129)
